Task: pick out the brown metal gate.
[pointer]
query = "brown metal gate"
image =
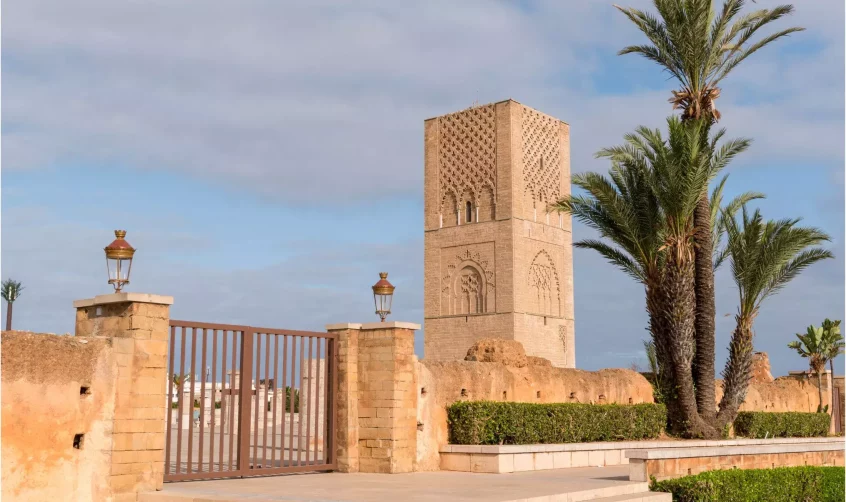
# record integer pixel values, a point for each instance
(246, 401)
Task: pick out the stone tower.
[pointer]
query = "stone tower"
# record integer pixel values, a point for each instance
(497, 265)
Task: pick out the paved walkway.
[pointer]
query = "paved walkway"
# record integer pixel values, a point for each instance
(587, 483)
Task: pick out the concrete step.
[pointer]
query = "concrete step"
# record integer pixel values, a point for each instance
(608, 492)
(639, 497)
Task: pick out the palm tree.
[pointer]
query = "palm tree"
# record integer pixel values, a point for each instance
(820, 345)
(765, 256)
(833, 341)
(11, 291)
(699, 47)
(646, 211)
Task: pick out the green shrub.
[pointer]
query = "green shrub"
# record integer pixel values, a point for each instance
(782, 484)
(760, 424)
(491, 422)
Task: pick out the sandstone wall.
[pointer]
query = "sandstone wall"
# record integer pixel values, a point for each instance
(43, 408)
(443, 383)
(782, 394)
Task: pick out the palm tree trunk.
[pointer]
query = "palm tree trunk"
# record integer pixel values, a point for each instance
(737, 373)
(703, 363)
(679, 303)
(9, 316)
(819, 388)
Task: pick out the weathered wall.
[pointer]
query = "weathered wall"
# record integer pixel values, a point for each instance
(443, 383)
(43, 408)
(782, 394)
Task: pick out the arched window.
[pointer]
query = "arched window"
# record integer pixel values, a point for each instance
(469, 207)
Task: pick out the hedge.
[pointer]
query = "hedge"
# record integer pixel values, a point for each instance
(492, 422)
(761, 424)
(782, 484)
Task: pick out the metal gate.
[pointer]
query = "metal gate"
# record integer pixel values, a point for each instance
(246, 401)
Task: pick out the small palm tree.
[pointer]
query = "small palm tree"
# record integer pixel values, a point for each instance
(820, 345)
(833, 341)
(11, 291)
(765, 256)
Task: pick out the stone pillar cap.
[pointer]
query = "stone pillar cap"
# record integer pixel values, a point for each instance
(123, 298)
(343, 325)
(390, 324)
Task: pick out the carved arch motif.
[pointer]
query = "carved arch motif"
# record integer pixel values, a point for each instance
(468, 286)
(544, 285)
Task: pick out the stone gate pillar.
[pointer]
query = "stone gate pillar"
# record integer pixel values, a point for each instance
(377, 398)
(138, 327)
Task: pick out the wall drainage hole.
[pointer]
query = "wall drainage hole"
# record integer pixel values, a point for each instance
(463, 392)
(78, 440)
(85, 391)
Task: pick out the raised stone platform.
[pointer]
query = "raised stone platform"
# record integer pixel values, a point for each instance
(667, 463)
(499, 459)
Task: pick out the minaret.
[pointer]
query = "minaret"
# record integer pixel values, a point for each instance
(497, 264)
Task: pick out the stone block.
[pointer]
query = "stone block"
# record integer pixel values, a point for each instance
(596, 458)
(456, 462)
(543, 461)
(612, 457)
(561, 459)
(638, 470)
(579, 459)
(524, 462)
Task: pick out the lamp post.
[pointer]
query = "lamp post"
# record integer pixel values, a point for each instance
(119, 260)
(383, 294)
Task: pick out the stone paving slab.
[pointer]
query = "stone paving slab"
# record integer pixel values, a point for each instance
(564, 485)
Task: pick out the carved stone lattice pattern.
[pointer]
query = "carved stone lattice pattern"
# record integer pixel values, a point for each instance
(562, 335)
(541, 156)
(467, 285)
(544, 279)
(467, 153)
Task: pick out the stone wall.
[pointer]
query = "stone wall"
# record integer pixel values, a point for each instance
(53, 388)
(83, 417)
(535, 381)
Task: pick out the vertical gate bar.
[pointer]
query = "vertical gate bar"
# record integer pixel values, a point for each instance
(232, 429)
(202, 437)
(333, 378)
(295, 403)
(317, 407)
(213, 406)
(223, 388)
(257, 363)
(181, 400)
(285, 401)
(275, 398)
(300, 414)
(245, 391)
(191, 422)
(308, 402)
(265, 403)
(327, 401)
(170, 374)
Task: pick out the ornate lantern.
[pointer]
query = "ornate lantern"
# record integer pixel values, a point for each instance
(383, 294)
(119, 260)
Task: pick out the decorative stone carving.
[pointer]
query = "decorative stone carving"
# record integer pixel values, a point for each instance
(467, 152)
(543, 279)
(541, 157)
(467, 286)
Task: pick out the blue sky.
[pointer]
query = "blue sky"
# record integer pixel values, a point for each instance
(266, 158)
